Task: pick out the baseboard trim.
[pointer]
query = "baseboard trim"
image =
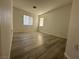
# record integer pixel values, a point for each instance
(53, 34)
(66, 55)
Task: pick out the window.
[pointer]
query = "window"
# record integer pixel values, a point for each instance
(41, 21)
(27, 20)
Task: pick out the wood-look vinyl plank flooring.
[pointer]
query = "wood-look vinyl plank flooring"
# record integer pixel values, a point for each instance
(37, 46)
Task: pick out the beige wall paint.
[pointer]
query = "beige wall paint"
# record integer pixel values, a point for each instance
(36, 22)
(6, 28)
(57, 21)
(0, 35)
(0, 29)
(18, 21)
(72, 49)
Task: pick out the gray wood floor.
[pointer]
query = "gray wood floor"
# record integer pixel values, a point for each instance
(37, 46)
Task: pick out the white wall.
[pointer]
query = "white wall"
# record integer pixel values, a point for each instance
(18, 21)
(72, 49)
(57, 21)
(6, 28)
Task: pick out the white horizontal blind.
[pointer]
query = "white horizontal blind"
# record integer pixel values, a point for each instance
(27, 20)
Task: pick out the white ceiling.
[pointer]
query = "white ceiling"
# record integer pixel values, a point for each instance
(42, 5)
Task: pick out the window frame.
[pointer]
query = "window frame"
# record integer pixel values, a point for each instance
(30, 18)
(41, 20)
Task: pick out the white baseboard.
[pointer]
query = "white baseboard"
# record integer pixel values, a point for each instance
(66, 55)
(53, 35)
